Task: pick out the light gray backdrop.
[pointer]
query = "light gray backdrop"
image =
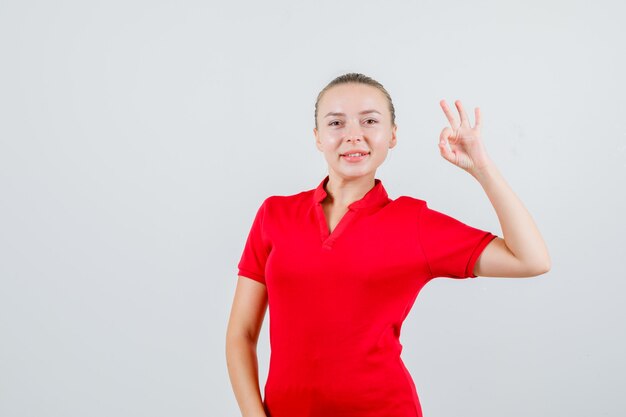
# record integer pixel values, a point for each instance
(138, 138)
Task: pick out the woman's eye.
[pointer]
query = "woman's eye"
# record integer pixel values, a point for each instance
(371, 120)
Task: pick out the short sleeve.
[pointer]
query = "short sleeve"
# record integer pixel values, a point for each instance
(256, 249)
(450, 246)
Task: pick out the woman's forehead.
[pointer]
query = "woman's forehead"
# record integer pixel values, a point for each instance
(353, 96)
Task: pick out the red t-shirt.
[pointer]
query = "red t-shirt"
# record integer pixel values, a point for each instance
(337, 301)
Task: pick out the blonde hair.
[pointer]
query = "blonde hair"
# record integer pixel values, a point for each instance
(357, 78)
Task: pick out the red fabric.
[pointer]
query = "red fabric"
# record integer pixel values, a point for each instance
(337, 301)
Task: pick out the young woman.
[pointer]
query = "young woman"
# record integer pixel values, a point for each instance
(340, 265)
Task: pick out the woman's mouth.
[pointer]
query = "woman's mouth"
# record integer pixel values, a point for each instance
(355, 157)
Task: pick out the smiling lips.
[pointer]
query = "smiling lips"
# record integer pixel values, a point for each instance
(355, 152)
(354, 156)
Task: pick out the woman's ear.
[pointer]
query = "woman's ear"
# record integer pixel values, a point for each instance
(394, 140)
(317, 139)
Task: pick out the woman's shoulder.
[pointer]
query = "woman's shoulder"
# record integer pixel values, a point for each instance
(289, 200)
(409, 201)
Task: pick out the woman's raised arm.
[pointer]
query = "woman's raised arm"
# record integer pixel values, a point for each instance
(522, 252)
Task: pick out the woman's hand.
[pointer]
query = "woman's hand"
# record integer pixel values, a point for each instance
(466, 147)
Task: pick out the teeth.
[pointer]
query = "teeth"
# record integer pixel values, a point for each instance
(354, 154)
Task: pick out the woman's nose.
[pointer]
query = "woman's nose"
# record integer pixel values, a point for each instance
(354, 131)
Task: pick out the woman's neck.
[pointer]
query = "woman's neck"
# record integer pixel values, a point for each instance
(343, 192)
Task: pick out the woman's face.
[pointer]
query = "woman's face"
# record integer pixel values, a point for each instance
(354, 117)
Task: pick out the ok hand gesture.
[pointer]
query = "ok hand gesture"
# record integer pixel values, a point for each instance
(466, 147)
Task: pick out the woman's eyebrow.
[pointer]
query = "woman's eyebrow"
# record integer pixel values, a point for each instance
(343, 114)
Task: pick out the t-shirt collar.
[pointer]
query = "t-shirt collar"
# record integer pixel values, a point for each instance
(375, 197)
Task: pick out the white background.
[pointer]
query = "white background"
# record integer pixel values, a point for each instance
(138, 138)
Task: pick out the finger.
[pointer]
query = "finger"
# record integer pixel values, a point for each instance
(478, 117)
(448, 113)
(462, 113)
(445, 135)
(443, 148)
(449, 135)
